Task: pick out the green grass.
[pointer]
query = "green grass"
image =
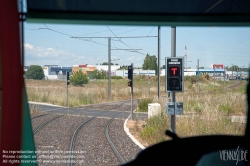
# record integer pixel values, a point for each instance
(143, 104)
(155, 129)
(209, 108)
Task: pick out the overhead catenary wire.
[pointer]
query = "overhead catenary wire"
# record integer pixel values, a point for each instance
(129, 30)
(150, 31)
(122, 41)
(117, 37)
(97, 37)
(128, 45)
(91, 39)
(100, 31)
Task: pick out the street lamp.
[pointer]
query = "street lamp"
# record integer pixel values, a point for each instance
(232, 71)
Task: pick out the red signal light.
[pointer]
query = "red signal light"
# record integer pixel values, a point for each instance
(174, 71)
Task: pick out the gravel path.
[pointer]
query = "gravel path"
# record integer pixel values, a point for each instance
(53, 140)
(40, 120)
(91, 140)
(126, 147)
(91, 147)
(34, 114)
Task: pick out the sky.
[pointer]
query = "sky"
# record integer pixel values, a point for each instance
(52, 44)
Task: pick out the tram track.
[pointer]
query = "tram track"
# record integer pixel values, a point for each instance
(38, 116)
(63, 135)
(45, 123)
(119, 156)
(111, 144)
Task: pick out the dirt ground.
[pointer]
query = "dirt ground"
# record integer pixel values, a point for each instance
(131, 125)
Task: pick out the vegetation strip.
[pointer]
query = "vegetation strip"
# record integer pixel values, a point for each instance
(126, 129)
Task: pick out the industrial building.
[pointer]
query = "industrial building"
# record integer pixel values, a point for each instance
(52, 72)
(59, 72)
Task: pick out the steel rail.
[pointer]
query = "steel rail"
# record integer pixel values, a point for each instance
(38, 116)
(118, 155)
(72, 143)
(39, 127)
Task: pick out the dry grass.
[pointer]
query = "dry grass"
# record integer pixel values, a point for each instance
(208, 109)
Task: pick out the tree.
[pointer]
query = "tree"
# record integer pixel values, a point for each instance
(150, 63)
(99, 74)
(79, 78)
(123, 67)
(35, 72)
(234, 67)
(106, 63)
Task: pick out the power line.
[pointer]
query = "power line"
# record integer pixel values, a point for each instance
(96, 32)
(100, 31)
(129, 30)
(120, 39)
(113, 37)
(151, 30)
(117, 37)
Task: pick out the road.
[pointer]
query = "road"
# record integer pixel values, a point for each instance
(110, 109)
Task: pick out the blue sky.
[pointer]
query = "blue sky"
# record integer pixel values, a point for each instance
(211, 45)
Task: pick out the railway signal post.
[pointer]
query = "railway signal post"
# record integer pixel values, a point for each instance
(174, 83)
(67, 83)
(174, 80)
(130, 84)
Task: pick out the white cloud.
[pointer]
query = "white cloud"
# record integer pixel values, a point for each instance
(131, 58)
(54, 56)
(27, 45)
(45, 56)
(50, 49)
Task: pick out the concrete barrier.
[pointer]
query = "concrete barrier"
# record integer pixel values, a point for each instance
(239, 119)
(153, 109)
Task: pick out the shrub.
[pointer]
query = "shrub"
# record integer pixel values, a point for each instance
(154, 131)
(143, 105)
(190, 85)
(116, 77)
(224, 108)
(79, 78)
(99, 74)
(35, 72)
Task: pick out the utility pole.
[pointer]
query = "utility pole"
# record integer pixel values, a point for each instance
(214, 75)
(186, 55)
(109, 68)
(131, 84)
(67, 83)
(232, 71)
(198, 75)
(159, 57)
(224, 77)
(173, 54)
(109, 53)
(148, 85)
